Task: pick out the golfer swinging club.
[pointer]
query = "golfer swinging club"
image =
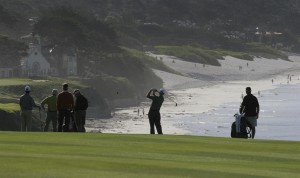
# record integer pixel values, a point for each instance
(154, 114)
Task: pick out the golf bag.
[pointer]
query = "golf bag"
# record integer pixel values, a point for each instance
(240, 128)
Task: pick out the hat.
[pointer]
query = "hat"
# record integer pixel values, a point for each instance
(162, 91)
(27, 88)
(76, 92)
(54, 92)
(65, 86)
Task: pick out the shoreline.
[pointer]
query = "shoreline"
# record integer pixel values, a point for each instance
(278, 119)
(200, 91)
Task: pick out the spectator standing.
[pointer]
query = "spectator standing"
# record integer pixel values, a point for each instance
(65, 104)
(50, 101)
(81, 105)
(26, 104)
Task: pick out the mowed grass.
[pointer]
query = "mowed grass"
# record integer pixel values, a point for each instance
(39, 154)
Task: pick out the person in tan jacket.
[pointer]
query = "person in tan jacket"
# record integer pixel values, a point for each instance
(51, 102)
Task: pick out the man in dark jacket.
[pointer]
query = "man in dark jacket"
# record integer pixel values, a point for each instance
(154, 112)
(250, 107)
(81, 105)
(26, 104)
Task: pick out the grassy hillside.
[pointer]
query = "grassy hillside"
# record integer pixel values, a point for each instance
(211, 56)
(12, 88)
(150, 61)
(128, 70)
(9, 116)
(109, 155)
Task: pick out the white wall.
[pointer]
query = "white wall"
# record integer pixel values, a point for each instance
(35, 64)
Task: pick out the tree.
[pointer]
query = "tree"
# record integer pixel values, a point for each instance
(63, 29)
(11, 52)
(6, 17)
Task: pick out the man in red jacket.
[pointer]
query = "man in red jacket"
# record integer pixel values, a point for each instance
(65, 104)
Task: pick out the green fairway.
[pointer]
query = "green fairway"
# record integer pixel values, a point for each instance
(38, 154)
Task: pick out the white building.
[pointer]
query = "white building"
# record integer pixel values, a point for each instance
(35, 64)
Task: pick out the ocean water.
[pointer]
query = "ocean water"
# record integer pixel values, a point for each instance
(279, 117)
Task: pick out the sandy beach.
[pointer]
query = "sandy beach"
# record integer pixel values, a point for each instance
(208, 96)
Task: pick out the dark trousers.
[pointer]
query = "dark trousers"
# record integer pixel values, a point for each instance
(63, 117)
(154, 120)
(80, 120)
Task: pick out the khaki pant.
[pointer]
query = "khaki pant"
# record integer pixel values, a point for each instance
(26, 120)
(51, 116)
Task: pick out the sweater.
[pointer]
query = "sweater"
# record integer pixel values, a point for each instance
(65, 101)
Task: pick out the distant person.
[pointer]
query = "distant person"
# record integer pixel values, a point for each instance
(250, 107)
(272, 81)
(50, 101)
(80, 107)
(154, 111)
(26, 104)
(65, 104)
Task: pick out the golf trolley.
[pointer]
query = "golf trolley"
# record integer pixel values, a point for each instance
(241, 128)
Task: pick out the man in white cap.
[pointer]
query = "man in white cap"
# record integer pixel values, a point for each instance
(50, 101)
(154, 111)
(26, 104)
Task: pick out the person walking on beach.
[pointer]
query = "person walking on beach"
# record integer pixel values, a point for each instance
(65, 104)
(26, 104)
(154, 111)
(250, 107)
(80, 107)
(50, 101)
